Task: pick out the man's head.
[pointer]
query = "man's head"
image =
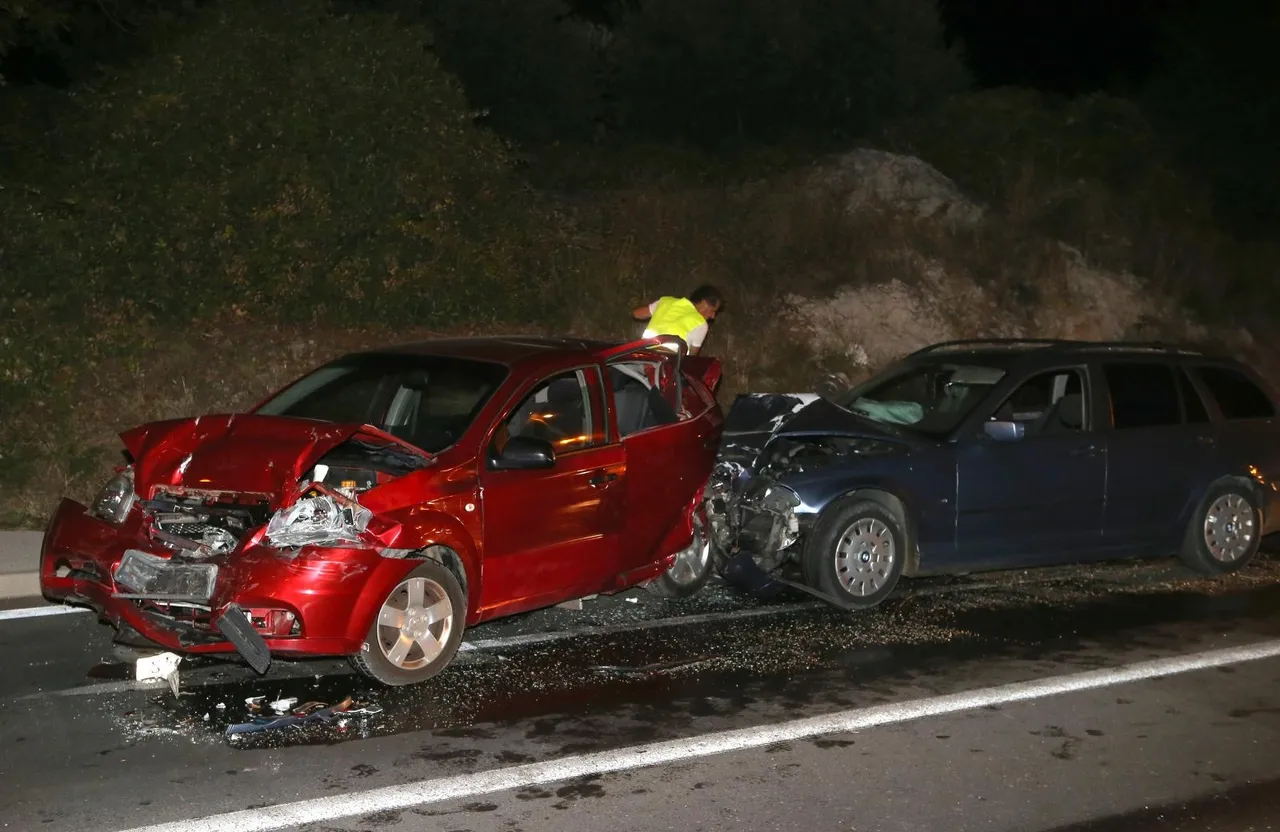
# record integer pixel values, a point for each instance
(706, 299)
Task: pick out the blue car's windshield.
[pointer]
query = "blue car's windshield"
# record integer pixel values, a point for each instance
(932, 398)
(427, 401)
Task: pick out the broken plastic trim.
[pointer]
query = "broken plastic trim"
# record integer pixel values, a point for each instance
(314, 521)
(235, 625)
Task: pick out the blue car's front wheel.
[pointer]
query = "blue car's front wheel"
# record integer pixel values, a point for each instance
(856, 553)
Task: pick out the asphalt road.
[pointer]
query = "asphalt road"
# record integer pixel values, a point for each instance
(1123, 697)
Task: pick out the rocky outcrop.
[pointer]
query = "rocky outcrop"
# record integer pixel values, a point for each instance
(876, 178)
(934, 296)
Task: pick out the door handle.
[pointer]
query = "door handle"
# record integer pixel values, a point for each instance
(600, 478)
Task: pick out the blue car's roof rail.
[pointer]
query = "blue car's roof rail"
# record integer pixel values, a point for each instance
(1060, 343)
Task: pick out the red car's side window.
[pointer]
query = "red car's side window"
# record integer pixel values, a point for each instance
(566, 410)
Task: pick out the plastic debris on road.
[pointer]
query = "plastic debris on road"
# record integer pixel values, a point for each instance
(287, 715)
(282, 706)
(162, 667)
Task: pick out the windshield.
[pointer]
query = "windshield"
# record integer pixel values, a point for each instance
(427, 401)
(928, 398)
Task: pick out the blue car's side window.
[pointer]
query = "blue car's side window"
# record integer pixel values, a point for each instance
(1052, 402)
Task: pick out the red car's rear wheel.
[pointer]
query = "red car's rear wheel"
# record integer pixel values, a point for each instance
(417, 630)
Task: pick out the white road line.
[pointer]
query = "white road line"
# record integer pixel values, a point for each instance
(352, 804)
(39, 612)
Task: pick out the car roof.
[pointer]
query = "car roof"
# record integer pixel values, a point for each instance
(509, 350)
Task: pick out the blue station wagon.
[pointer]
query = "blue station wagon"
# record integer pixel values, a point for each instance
(994, 454)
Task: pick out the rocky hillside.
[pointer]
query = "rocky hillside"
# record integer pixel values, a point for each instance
(946, 267)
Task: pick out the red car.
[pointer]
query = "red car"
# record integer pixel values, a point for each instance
(379, 504)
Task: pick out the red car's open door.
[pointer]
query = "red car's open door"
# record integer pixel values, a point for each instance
(667, 428)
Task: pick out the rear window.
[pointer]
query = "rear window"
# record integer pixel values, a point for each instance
(1143, 395)
(1237, 396)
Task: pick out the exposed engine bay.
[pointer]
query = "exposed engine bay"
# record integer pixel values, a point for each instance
(753, 514)
(203, 523)
(749, 506)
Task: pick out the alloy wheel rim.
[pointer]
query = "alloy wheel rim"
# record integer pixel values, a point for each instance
(414, 623)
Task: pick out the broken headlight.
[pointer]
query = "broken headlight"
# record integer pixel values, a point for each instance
(116, 498)
(317, 521)
(779, 499)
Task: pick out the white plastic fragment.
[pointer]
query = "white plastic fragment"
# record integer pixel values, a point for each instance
(162, 667)
(282, 706)
(254, 700)
(222, 706)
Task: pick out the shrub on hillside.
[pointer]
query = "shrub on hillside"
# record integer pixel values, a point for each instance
(270, 163)
(537, 71)
(1094, 172)
(714, 72)
(719, 71)
(1215, 90)
(277, 157)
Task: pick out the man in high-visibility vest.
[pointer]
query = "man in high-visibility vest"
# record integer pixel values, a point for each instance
(687, 317)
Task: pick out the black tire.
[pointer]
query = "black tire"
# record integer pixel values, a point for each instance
(374, 659)
(1228, 512)
(686, 577)
(845, 578)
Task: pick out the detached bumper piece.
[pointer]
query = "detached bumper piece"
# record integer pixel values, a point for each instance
(235, 625)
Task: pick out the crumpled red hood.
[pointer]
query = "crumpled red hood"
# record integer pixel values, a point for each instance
(245, 453)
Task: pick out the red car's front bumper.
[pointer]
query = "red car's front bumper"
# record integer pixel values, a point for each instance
(319, 602)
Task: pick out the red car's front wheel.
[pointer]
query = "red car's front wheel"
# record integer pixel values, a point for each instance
(417, 630)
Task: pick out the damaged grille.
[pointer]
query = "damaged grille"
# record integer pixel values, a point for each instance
(191, 529)
(203, 526)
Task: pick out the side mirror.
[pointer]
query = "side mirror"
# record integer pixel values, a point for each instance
(524, 453)
(1004, 431)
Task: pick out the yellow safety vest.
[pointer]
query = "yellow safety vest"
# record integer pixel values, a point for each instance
(674, 316)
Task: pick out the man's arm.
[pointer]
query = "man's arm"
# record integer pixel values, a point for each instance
(643, 313)
(696, 337)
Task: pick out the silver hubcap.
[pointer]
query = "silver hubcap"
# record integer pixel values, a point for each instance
(414, 623)
(864, 556)
(1228, 527)
(692, 561)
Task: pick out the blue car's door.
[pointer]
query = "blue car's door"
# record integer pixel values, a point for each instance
(1158, 447)
(1038, 498)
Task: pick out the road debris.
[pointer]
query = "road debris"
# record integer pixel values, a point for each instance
(296, 719)
(654, 667)
(162, 667)
(282, 706)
